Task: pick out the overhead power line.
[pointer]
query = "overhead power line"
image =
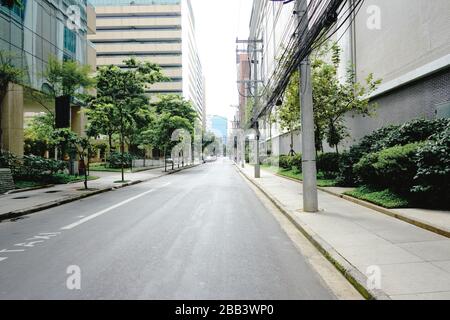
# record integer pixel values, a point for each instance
(324, 18)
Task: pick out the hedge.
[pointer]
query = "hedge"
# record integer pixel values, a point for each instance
(432, 181)
(393, 168)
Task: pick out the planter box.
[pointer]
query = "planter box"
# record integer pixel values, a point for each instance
(6, 181)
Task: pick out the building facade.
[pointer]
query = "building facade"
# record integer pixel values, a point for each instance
(219, 126)
(158, 31)
(29, 36)
(243, 76)
(406, 43)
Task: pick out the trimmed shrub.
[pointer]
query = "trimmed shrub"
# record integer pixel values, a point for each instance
(393, 168)
(375, 141)
(328, 164)
(433, 175)
(414, 131)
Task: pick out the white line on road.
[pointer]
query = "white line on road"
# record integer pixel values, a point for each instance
(2, 259)
(95, 215)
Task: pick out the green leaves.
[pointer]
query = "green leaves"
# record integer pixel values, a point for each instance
(65, 78)
(122, 106)
(289, 113)
(8, 72)
(334, 98)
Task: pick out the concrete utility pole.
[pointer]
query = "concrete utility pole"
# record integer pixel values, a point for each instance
(255, 74)
(310, 198)
(253, 50)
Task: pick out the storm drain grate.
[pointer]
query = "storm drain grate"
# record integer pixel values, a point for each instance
(20, 198)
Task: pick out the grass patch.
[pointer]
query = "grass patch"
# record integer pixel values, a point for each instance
(384, 198)
(102, 167)
(295, 174)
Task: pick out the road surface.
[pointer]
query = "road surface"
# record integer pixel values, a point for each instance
(199, 234)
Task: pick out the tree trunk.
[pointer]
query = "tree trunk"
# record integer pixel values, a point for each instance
(85, 175)
(165, 159)
(110, 143)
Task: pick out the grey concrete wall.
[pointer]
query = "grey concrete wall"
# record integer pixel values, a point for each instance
(416, 100)
(412, 34)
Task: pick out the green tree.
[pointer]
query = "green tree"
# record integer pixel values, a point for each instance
(176, 105)
(333, 99)
(160, 134)
(66, 78)
(121, 100)
(41, 129)
(289, 113)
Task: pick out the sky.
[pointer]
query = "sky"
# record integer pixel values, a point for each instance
(218, 23)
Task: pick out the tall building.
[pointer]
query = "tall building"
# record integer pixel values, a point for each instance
(158, 31)
(243, 76)
(219, 126)
(30, 35)
(406, 43)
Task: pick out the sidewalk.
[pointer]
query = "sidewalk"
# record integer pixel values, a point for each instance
(439, 220)
(414, 263)
(18, 204)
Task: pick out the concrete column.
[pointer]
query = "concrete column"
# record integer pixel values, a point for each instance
(77, 120)
(11, 115)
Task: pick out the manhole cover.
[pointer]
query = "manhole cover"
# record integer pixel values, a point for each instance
(20, 198)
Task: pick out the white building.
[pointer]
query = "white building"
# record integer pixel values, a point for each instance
(404, 42)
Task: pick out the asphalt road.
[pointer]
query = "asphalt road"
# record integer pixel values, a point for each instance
(199, 234)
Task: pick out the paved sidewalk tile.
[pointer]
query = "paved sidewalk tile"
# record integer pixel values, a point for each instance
(414, 263)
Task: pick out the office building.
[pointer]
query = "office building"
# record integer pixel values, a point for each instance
(30, 35)
(158, 31)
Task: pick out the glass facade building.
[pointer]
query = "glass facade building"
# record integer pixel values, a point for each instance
(41, 29)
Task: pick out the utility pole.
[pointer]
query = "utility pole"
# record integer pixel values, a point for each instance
(255, 93)
(310, 198)
(253, 48)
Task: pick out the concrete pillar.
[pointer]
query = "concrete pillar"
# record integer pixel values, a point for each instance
(77, 120)
(11, 115)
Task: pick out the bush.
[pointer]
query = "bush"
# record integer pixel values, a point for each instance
(8, 160)
(296, 161)
(347, 160)
(115, 160)
(31, 167)
(393, 168)
(414, 131)
(285, 162)
(433, 175)
(390, 136)
(37, 168)
(375, 141)
(328, 164)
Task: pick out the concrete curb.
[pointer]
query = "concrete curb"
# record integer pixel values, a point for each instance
(351, 273)
(388, 212)
(57, 203)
